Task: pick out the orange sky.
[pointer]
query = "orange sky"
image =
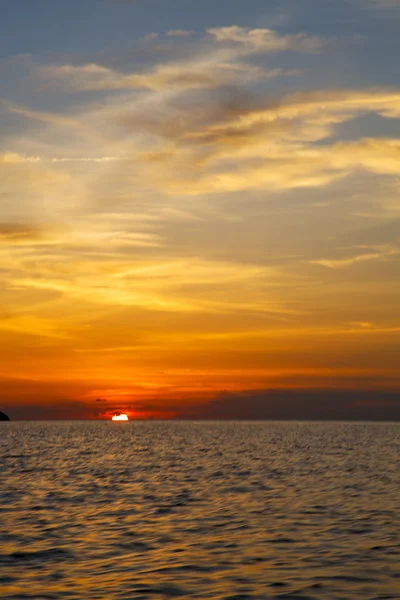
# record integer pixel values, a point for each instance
(201, 213)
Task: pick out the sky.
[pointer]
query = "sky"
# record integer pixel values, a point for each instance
(200, 209)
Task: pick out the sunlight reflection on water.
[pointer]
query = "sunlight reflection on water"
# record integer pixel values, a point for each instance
(203, 510)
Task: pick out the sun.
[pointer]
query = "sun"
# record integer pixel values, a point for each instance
(122, 417)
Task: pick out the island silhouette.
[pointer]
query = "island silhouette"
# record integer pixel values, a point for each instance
(4, 417)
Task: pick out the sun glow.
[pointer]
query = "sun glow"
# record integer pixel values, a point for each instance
(122, 417)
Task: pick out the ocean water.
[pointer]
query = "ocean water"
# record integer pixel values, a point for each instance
(199, 510)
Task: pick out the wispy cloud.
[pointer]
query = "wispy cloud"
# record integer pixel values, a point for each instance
(160, 286)
(180, 33)
(206, 212)
(166, 76)
(372, 254)
(265, 40)
(219, 61)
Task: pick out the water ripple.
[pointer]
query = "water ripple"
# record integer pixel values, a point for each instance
(226, 511)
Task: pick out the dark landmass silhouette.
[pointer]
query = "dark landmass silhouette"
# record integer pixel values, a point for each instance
(4, 417)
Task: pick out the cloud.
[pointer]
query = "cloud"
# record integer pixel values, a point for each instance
(274, 147)
(25, 234)
(273, 404)
(151, 36)
(180, 33)
(230, 144)
(58, 410)
(14, 158)
(319, 404)
(182, 76)
(159, 286)
(220, 59)
(382, 254)
(265, 40)
(188, 127)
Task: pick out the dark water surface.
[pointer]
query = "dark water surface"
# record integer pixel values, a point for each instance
(204, 510)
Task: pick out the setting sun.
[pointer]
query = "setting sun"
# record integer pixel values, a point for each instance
(122, 417)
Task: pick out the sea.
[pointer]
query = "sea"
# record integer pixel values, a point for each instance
(219, 510)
